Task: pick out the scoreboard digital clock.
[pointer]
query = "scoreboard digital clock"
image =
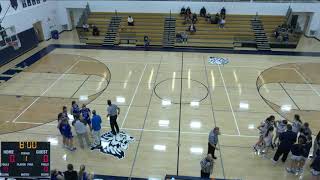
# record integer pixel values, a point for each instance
(25, 159)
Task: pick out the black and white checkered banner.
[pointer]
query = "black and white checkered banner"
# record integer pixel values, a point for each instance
(218, 60)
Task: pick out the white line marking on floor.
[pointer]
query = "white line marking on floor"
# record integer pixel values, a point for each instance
(225, 88)
(305, 80)
(134, 94)
(62, 75)
(150, 130)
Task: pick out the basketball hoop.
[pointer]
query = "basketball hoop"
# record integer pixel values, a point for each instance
(15, 44)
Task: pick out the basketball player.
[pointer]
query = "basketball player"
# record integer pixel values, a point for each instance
(113, 112)
(86, 113)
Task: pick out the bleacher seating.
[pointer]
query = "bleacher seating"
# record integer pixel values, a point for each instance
(150, 25)
(270, 23)
(101, 20)
(210, 35)
(237, 29)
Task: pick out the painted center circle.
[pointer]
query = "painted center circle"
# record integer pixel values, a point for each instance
(190, 90)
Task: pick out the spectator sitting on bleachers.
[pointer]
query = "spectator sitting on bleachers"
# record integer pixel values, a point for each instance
(285, 37)
(215, 19)
(85, 27)
(188, 11)
(146, 42)
(192, 28)
(203, 12)
(222, 22)
(208, 17)
(187, 20)
(70, 174)
(182, 11)
(194, 18)
(178, 38)
(56, 175)
(276, 34)
(95, 31)
(223, 13)
(130, 21)
(184, 37)
(83, 175)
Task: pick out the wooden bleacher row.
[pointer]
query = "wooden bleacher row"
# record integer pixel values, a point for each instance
(207, 35)
(210, 35)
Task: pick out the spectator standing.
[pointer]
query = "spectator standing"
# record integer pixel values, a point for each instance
(203, 12)
(213, 141)
(70, 174)
(113, 112)
(194, 18)
(206, 166)
(223, 13)
(130, 21)
(287, 139)
(81, 131)
(146, 42)
(96, 127)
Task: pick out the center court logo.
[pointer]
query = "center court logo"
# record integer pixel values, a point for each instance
(218, 60)
(115, 145)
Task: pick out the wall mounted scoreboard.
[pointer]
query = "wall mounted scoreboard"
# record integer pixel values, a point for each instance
(25, 159)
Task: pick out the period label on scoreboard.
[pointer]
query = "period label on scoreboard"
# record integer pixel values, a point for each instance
(25, 159)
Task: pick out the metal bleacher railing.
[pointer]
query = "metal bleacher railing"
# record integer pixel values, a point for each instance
(83, 20)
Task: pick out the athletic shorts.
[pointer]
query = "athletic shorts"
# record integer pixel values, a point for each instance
(315, 173)
(88, 121)
(68, 135)
(296, 158)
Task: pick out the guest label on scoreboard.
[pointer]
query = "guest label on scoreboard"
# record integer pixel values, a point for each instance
(25, 159)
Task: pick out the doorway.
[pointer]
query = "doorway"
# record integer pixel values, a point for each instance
(39, 31)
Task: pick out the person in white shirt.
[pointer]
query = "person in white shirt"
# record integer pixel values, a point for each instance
(222, 23)
(81, 130)
(130, 21)
(267, 141)
(281, 128)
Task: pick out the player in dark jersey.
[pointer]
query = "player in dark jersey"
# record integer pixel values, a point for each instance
(74, 108)
(86, 114)
(67, 134)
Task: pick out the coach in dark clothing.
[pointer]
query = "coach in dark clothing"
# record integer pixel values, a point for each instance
(287, 139)
(70, 174)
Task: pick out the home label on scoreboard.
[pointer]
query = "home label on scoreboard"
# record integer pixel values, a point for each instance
(25, 159)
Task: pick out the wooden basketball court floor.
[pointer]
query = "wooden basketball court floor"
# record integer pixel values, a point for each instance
(169, 139)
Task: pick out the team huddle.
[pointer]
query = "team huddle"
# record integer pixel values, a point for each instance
(83, 117)
(285, 140)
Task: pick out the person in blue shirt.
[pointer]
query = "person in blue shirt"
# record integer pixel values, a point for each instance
(86, 113)
(96, 127)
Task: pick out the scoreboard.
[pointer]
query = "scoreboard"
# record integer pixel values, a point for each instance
(25, 159)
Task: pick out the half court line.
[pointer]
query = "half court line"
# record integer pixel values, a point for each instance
(62, 75)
